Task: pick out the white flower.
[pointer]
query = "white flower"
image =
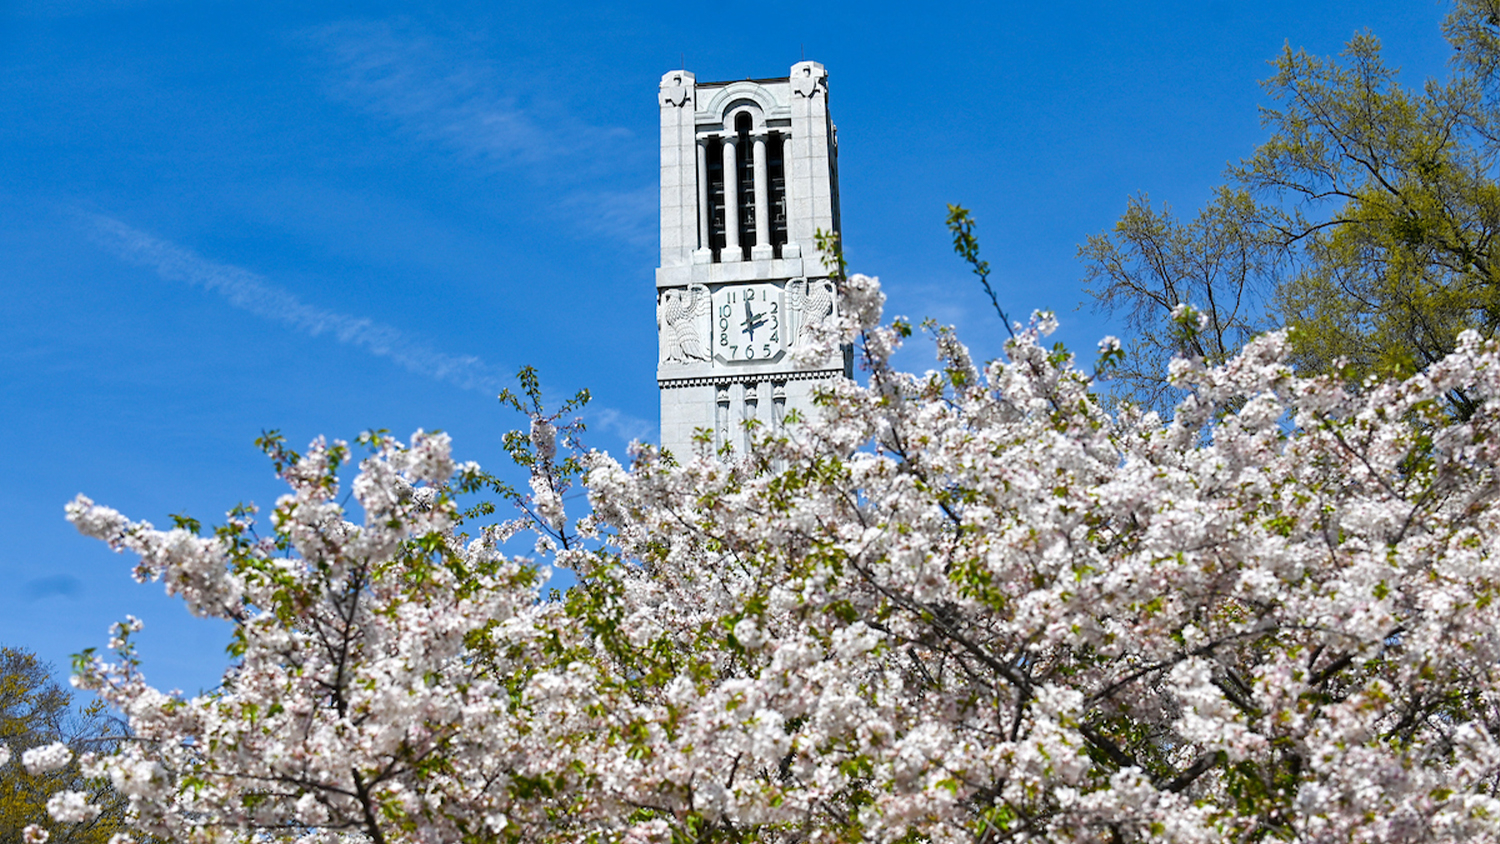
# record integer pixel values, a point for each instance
(310, 810)
(71, 807)
(748, 634)
(548, 506)
(93, 520)
(544, 439)
(985, 585)
(42, 760)
(1184, 311)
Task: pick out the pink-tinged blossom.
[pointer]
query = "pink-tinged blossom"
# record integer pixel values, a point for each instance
(544, 439)
(548, 504)
(98, 522)
(968, 605)
(46, 759)
(71, 807)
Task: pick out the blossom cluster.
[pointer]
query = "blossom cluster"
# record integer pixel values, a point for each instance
(973, 604)
(45, 759)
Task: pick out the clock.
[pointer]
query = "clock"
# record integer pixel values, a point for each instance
(749, 322)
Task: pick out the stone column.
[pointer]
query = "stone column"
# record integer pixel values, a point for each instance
(721, 416)
(731, 201)
(752, 411)
(705, 250)
(762, 251)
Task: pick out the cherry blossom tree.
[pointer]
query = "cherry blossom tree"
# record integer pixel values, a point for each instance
(972, 604)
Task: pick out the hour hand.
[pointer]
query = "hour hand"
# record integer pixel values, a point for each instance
(751, 322)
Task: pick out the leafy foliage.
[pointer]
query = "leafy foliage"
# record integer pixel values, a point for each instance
(36, 712)
(970, 605)
(1366, 223)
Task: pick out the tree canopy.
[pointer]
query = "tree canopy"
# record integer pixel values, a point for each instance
(970, 605)
(37, 716)
(1367, 223)
(976, 604)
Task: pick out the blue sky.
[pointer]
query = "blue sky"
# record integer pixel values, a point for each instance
(218, 218)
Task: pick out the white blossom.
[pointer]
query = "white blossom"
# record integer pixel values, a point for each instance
(972, 604)
(544, 439)
(47, 758)
(71, 807)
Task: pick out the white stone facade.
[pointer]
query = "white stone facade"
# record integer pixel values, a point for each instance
(749, 175)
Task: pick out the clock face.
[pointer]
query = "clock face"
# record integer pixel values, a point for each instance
(749, 323)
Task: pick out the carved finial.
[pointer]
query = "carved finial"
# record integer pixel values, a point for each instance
(675, 88)
(809, 79)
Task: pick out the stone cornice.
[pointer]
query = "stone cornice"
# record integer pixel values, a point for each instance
(713, 380)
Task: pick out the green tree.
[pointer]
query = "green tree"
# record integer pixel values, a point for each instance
(1367, 222)
(36, 711)
(1153, 264)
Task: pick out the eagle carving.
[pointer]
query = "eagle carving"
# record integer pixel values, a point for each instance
(814, 303)
(677, 317)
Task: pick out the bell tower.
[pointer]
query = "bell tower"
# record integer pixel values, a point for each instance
(749, 175)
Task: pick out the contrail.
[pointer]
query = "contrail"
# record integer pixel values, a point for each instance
(250, 292)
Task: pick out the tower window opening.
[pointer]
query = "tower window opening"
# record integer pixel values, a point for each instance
(776, 164)
(833, 176)
(716, 239)
(744, 153)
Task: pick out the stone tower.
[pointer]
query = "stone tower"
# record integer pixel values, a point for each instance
(749, 174)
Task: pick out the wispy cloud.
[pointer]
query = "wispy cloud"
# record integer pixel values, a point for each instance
(627, 216)
(253, 293)
(437, 90)
(443, 93)
(623, 425)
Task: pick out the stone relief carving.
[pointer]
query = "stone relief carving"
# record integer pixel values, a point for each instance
(674, 90)
(808, 80)
(812, 302)
(679, 313)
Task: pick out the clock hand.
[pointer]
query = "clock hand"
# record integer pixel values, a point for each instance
(749, 323)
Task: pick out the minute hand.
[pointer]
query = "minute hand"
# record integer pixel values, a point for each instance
(752, 321)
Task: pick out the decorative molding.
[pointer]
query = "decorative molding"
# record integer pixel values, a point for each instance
(675, 88)
(723, 101)
(724, 380)
(809, 79)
